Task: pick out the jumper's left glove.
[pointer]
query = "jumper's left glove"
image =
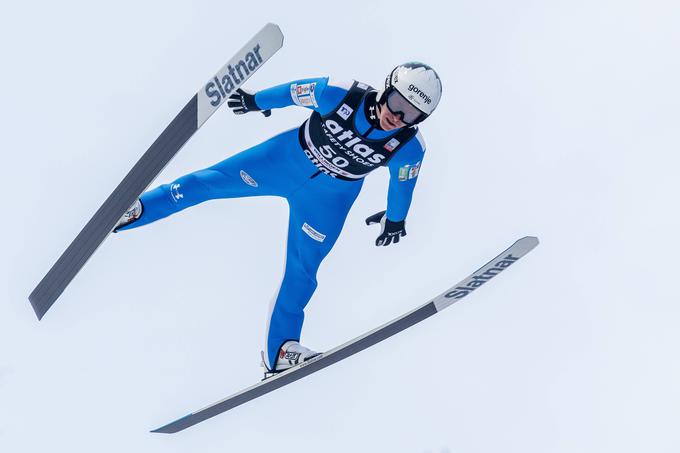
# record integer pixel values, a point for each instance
(244, 102)
(391, 231)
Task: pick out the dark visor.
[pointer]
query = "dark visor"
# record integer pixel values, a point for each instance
(400, 106)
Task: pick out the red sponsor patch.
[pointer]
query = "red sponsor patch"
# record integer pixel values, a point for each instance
(391, 145)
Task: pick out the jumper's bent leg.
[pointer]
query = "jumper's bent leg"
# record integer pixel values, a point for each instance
(249, 173)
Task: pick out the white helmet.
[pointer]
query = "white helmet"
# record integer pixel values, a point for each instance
(418, 83)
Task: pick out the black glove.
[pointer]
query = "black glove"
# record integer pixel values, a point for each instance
(391, 231)
(244, 102)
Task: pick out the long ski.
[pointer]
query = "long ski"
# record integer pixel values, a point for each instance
(196, 112)
(447, 298)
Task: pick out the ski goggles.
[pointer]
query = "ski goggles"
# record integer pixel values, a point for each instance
(400, 106)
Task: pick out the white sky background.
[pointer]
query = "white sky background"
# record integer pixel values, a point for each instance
(559, 119)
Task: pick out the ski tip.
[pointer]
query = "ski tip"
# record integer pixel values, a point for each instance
(533, 238)
(275, 28)
(530, 240)
(524, 245)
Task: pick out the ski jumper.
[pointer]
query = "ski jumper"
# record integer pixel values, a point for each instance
(319, 169)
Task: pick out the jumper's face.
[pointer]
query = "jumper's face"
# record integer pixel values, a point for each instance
(388, 120)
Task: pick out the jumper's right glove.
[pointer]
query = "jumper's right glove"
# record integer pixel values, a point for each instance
(244, 102)
(391, 231)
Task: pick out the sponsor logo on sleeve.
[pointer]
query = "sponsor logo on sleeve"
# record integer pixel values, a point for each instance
(409, 172)
(312, 233)
(303, 94)
(345, 111)
(306, 101)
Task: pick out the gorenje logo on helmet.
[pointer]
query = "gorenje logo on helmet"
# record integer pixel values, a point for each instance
(421, 93)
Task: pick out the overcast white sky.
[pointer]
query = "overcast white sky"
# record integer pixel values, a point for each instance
(559, 119)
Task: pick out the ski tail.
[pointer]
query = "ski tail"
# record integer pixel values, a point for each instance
(102, 222)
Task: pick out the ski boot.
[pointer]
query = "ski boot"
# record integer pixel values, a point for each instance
(290, 354)
(131, 215)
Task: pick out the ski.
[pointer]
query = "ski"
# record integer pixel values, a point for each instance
(447, 298)
(196, 112)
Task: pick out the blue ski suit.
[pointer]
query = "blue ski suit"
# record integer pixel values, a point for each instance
(318, 168)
